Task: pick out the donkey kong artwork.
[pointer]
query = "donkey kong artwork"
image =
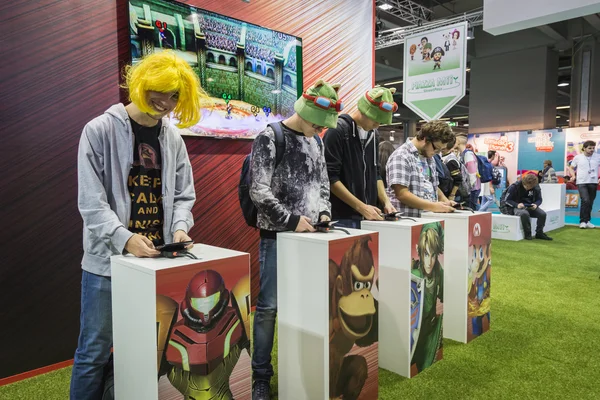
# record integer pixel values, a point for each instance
(352, 319)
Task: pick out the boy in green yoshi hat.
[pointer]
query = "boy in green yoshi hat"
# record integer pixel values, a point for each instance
(290, 189)
(351, 151)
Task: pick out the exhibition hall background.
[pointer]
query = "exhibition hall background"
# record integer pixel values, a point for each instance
(61, 69)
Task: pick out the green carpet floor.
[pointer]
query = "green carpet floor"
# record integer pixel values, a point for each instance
(544, 342)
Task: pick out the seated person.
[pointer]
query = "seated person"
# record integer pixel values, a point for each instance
(523, 199)
(569, 183)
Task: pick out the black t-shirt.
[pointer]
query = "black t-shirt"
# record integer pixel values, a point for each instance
(145, 184)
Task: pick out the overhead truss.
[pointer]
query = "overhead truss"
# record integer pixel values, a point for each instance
(396, 36)
(407, 10)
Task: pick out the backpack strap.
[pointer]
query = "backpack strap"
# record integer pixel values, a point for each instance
(346, 125)
(279, 142)
(319, 142)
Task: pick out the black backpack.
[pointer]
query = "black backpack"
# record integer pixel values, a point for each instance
(496, 177)
(503, 206)
(446, 183)
(249, 210)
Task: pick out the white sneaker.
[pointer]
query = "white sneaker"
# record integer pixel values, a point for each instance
(590, 225)
(583, 225)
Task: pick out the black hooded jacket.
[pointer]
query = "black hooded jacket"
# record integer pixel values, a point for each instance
(348, 162)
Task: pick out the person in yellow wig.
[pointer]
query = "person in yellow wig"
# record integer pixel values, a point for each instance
(136, 191)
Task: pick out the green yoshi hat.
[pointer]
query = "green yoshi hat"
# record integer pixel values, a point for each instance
(378, 104)
(320, 104)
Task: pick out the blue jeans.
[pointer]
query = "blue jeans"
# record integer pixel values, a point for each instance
(92, 369)
(351, 223)
(486, 202)
(266, 311)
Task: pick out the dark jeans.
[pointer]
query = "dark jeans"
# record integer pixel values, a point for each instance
(526, 216)
(587, 194)
(473, 201)
(93, 369)
(266, 311)
(352, 223)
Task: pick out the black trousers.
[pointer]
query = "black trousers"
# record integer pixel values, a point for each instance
(587, 195)
(526, 216)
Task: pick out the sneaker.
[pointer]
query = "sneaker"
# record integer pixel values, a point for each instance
(542, 236)
(261, 390)
(590, 225)
(583, 225)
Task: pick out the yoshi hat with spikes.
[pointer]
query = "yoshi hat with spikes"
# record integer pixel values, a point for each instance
(320, 104)
(378, 104)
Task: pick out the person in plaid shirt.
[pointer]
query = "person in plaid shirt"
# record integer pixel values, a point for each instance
(411, 173)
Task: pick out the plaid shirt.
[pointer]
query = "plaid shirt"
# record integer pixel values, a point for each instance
(404, 168)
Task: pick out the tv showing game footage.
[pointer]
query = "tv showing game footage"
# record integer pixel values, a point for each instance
(253, 74)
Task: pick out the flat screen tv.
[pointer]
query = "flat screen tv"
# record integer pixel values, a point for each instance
(253, 74)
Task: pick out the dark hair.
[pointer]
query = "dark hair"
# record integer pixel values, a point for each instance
(436, 131)
(588, 143)
(385, 151)
(451, 143)
(491, 154)
(425, 39)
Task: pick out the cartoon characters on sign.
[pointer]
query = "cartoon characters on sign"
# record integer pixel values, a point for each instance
(427, 52)
(447, 42)
(455, 37)
(424, 42)
(479, 277)
(413, 50)
(352, 318)
(429, 290)
(438, 53)
(199, 351)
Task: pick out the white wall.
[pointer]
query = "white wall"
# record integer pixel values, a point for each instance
(503, 16)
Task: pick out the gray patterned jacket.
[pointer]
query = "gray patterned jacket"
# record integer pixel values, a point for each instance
(298, 186)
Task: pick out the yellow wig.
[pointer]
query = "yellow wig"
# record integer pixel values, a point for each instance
(165, 72)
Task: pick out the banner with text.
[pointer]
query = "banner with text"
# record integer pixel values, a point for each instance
(506, 146)
(539, 146)
(435, 70)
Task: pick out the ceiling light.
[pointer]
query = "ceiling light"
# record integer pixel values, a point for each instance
(470, 33)
(463, 117)
(444, 119)
(567, 120)
(468, 69)
(392, 83)
(397, 115)
(466, 125)
(392, 131)
(563, 84)
(558, 116)
(385, 6)
(563, 107)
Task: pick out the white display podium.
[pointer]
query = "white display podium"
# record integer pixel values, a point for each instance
(324, 310)
(467, 256)
(143, 342)
(400, 313)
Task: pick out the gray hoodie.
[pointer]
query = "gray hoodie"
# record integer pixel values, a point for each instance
(103, 164)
